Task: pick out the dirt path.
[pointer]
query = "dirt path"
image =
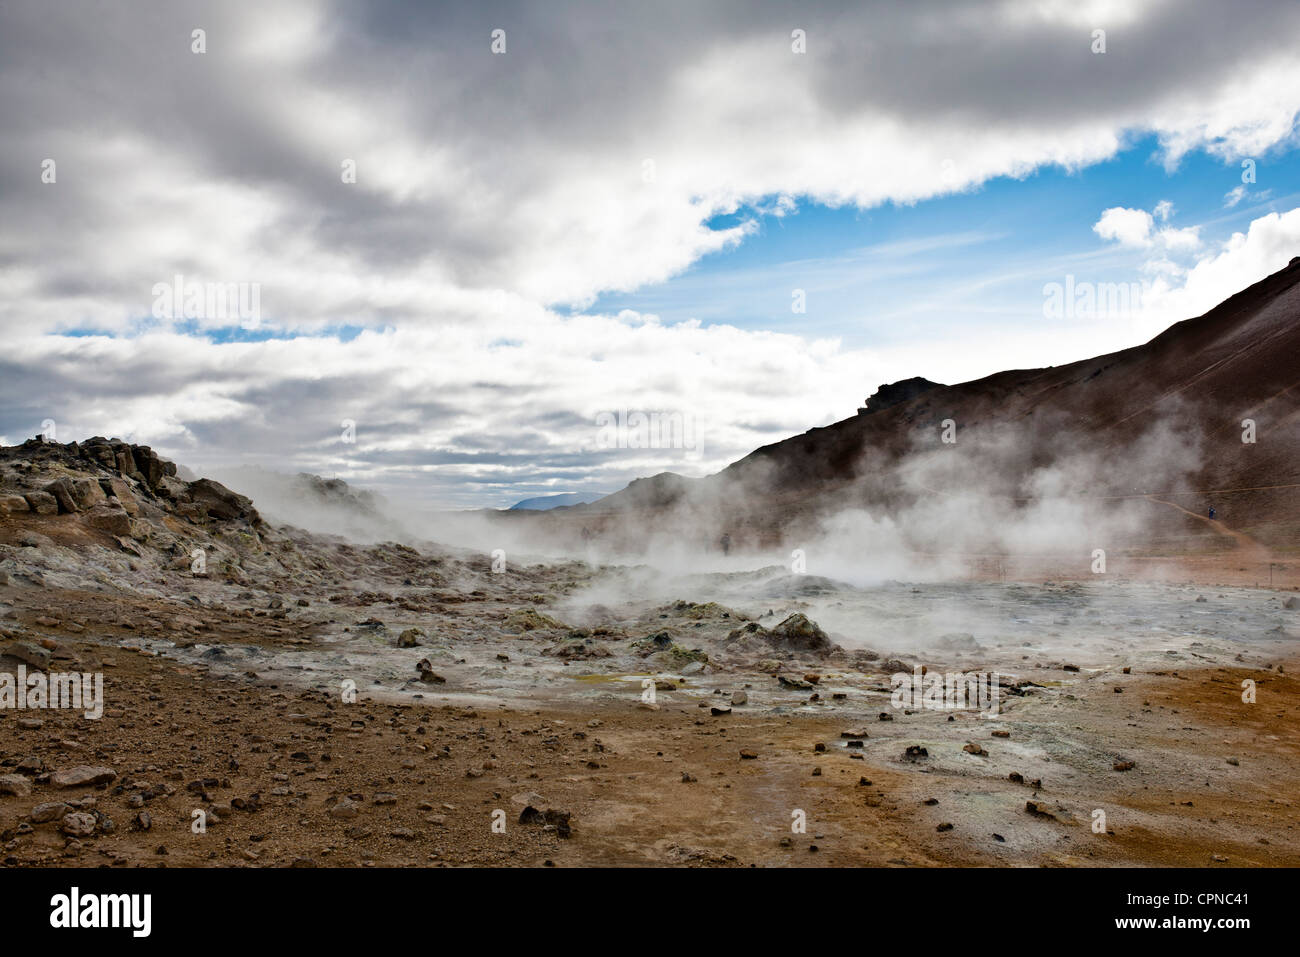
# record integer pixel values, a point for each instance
(1251, 549)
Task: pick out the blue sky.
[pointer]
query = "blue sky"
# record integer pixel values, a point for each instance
(978, 257)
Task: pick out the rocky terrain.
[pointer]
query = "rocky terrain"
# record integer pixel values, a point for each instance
(274, 697)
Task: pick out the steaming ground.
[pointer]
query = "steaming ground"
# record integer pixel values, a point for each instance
(542, 674)
(330, 701)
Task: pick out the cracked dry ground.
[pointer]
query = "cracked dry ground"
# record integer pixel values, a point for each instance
(646, 787)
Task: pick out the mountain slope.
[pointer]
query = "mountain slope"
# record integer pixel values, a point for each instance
(1159, 426)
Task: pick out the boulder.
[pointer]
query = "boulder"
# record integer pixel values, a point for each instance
(126, 461)
(42, 503)
(221, 503)
(115, 488)
(9, 504)
(109, 518)
(75, 495)
(799, 633)
(149, 465)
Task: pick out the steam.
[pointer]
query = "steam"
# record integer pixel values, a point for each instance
(1000, 502)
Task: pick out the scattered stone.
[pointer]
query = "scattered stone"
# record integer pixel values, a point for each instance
(15, 785)
(427, 674)
(49, 811)
(83, 776)
(411, 638)
(78, 824)
(551, 817)
(345, 810)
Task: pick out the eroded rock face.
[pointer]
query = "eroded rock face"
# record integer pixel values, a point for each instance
(111, 519)
(13, 504)
(75, 494)
(110, 484)
(221, 503)
(42, 503)
(893, 393)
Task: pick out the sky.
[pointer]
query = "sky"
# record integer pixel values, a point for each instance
(465, 254)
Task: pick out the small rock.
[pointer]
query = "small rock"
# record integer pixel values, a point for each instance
(78, 824)
(16, 785)
(344, 810)
(49, 811)
(82, 776)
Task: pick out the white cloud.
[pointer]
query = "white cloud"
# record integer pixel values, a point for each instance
(522, 174)
(1270, 242)
(1134, 228)
(1128, 227)
(1186, 238)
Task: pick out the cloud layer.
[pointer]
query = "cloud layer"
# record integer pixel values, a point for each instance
(493, 189)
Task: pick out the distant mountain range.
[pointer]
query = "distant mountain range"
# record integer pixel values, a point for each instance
(546, 502)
